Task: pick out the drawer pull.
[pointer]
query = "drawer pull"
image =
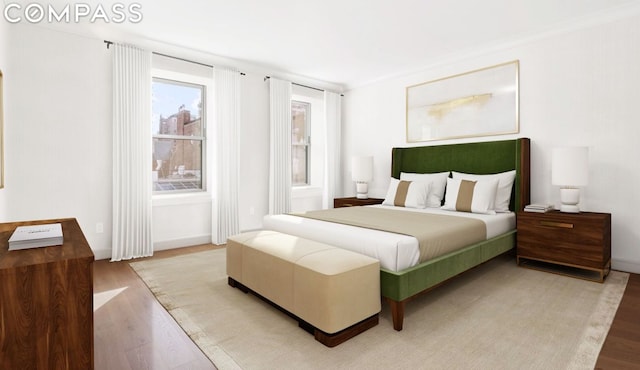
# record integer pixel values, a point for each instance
(563, 225)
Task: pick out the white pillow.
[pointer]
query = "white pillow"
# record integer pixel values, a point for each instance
(438, 183)
(411, 194)
(471, 196)
(505, 184)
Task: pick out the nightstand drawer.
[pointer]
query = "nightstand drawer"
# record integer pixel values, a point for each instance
(568, 253)
(563, 232)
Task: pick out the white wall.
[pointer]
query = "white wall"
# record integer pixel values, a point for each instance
(4, 67)
(58, 130)
(58, 138)
(577, 87)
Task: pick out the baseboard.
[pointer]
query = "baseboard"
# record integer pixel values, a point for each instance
(182, 242)
(626, 266)
(102, 254)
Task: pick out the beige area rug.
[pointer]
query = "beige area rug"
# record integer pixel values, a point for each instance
(498, 316)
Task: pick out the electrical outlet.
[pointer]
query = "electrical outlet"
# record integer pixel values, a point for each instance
(99, 228)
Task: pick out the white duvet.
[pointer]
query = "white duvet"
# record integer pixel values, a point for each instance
(395, 252)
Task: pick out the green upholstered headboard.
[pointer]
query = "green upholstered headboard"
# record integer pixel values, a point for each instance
(478, 158)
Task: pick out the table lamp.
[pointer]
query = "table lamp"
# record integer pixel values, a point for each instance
(362, 173)
(570, 170)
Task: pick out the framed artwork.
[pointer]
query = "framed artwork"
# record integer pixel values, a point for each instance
(483, 102)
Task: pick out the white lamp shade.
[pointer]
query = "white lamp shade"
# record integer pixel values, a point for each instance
(362, 168)
(570, 166)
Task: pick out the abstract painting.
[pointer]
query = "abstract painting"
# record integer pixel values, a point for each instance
(483, 102)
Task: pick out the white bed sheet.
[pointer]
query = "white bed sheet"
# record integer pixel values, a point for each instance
(395, 252)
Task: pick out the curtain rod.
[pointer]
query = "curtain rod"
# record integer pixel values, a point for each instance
(308, 87)
(109, 43)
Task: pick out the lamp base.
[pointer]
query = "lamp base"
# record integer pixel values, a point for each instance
(569, 197)
(568, 208)
(362, 190)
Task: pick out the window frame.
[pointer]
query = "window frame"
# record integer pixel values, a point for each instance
(306, 144)
(187, 80)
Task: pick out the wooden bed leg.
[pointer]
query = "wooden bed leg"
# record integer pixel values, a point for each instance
(397, 313)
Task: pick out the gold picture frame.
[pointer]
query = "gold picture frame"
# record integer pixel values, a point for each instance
(483, 102)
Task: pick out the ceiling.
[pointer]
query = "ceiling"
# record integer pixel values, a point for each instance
(347, 42)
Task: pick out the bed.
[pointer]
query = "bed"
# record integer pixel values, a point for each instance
(403, 280)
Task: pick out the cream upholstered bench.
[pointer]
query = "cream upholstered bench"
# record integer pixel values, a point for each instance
(334, 293)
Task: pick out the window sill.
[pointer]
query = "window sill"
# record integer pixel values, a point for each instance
(162, 200)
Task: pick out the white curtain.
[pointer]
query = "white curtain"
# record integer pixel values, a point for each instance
(227, 107)
(132, 233)
(280, 147)
(332, 171)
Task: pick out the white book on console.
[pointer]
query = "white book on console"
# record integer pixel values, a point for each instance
(34, 236)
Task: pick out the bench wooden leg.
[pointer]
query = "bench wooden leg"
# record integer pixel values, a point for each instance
(332, 340)
(235, 284)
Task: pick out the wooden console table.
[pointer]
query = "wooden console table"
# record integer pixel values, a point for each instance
(46, 301)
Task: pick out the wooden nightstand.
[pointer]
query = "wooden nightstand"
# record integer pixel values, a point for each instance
(574, 244)
(353, 201)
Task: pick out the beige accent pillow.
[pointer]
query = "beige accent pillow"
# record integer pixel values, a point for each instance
(471, 196)
(411, 194)
(505, 184)
(437, 181)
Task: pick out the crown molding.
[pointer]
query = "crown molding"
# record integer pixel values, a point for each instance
(561, 28)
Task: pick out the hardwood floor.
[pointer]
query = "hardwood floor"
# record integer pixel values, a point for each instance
(133, 331)
(621, 349)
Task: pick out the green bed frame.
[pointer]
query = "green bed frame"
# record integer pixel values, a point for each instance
(490, 157)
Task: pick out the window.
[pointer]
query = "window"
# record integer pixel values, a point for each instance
(300, 141)
(178, 127)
